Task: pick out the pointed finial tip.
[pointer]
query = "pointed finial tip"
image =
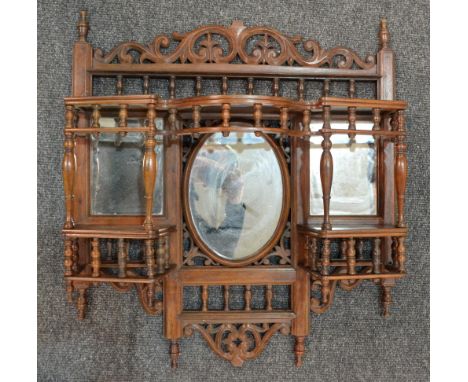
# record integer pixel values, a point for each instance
(83, 25)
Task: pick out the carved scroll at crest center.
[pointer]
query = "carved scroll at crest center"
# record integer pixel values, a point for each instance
(223, 45)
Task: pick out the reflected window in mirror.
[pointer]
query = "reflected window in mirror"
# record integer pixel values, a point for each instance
(354, 186)
(116, 186)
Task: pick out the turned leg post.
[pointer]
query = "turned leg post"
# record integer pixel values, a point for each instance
(150, 167)
(326, 169)
(401, 168)
(81, 301)
(69, 167)
(386, 300)
(299, 350)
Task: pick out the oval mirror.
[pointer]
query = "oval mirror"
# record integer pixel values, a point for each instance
(235, 194)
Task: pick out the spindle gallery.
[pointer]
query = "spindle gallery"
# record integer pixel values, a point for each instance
(215, 205)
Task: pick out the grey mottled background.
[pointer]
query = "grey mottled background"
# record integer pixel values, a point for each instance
(118, 341)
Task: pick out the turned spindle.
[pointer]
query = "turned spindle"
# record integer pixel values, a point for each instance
(172, 118)
(75, 255)
(248, 297)
(196, 115)
(326, 252)
(250, 86)
(306, 120)
(400, 254)
(122, 258)
(174, 353)
(224, 86)
(376, 256)
(68, 254)
(284, 118)
(226, 115)
(83, 26)
(376, 119)
(172, 87)
(160, 256)
(166, 252)
(149, 167)
(343, 249)
(69, 167)
(269, 297)
(226, 298)
(360, 249)
(123, 119)
(351, 121)
(119, 85)
(276, 86)
(326, 88)
(326, 169)
(401, 168)
(313, 250)
(258, 117)
(95, 257)
(69, 290)
(145, 84)
(204, 297)
(300, 89)
(149, 256)
(96, 117)
(198, 86)
(351, 257)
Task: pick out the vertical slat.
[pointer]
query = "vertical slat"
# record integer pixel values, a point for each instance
(69, 168)
(326, 169)
(226, 298)
(145, 84)
(204, 296)
(250, 86)
(269, 297)
(376, 260)
(351, 257)
(122, 257)
(95, 258)
(119, 85)
(149, 167)
(401, 169)
(248, 298)
(198, 86)
(149, 255)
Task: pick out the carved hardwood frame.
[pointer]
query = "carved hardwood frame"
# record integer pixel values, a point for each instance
(249, 53)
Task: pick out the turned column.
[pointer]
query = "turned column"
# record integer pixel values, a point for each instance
(351, 256)
(150, 167)
(326, 169)
(401, 168)
(69, 167)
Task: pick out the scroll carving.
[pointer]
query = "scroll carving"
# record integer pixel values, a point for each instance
(222, 45)
(237, 343)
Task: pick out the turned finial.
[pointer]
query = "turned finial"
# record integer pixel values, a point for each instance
(83, 25)
(384, 36)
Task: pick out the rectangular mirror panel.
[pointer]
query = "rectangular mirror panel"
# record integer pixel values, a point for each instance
(354, 187)
(116, 179)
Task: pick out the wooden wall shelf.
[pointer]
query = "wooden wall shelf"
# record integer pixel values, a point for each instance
(221, 190)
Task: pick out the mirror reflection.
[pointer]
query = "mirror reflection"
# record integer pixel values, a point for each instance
(354, 187)
(116, 178)
(235, 194)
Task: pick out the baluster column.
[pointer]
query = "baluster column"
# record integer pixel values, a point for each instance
(326, 169)
(401, 169)
(150, 167)
(69, 167)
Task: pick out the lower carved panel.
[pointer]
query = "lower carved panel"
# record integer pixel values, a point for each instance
(238, 343)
